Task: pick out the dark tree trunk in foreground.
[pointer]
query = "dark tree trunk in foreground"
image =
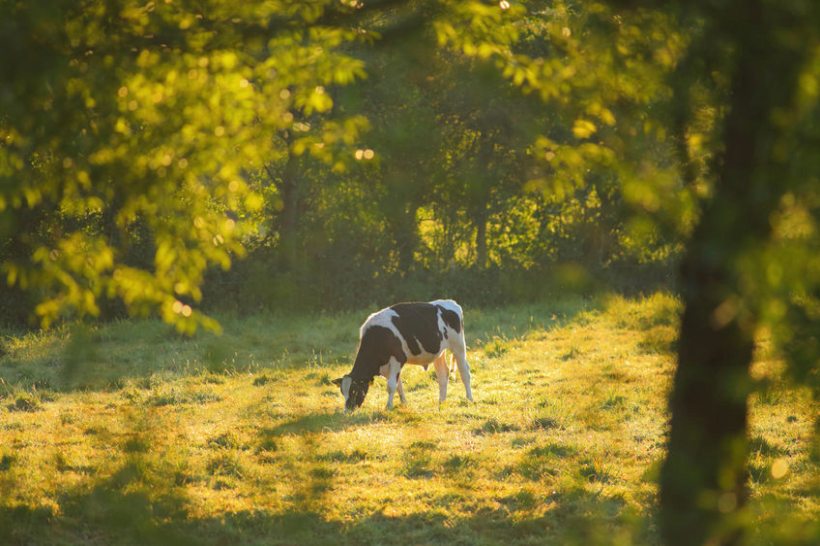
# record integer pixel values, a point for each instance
(703, 481)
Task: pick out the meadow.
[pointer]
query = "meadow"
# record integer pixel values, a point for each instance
(127, 433)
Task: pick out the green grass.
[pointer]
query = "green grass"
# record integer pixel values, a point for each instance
(129, 434)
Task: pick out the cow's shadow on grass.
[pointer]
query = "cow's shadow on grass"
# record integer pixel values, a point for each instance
(122, 511)
(324, 422)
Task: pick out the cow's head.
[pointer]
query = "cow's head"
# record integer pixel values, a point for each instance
(354, 391)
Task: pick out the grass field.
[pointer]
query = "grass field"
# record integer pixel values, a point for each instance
(129, 434)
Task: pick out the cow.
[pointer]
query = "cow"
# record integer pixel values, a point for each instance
(407, 333)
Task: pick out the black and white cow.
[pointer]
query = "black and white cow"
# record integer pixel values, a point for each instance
(414, 333)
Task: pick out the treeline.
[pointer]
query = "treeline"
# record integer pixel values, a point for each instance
(390, 165)
(445, 193)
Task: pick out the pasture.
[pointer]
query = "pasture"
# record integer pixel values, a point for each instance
(127, 433)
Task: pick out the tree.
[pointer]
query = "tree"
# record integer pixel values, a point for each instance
(704, 476)
(729, 197)
(126, 118)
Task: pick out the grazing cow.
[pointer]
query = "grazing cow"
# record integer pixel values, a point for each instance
(414, 333)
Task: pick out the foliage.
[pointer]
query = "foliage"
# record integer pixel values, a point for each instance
(129, 131)
(719, 183)
(216, 131)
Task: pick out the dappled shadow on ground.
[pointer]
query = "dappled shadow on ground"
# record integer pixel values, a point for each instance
(144, 502)
(118, 512)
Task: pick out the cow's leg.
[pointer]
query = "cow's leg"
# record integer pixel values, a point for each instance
(443, 375)
(384, 371)
(394, 368)
(400, 388)
(460, 353)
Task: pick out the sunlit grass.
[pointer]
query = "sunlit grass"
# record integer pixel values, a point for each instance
(160, 439)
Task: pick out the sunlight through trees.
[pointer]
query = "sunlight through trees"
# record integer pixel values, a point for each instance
(184, 160)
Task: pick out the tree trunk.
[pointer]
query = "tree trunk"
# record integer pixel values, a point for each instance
(405, 232)
(703, 480)
(481, 240)
(703, 477)
(482, 196)
(289, 216)
(288, 187)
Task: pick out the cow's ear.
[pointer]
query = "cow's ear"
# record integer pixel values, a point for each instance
(338, 381)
